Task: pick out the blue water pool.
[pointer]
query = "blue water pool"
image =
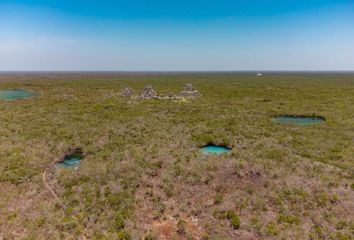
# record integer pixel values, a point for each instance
(298, 120)
(214, 149)
(16, 94)
(72, 160)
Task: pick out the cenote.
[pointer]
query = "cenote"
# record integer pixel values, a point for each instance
(214, 149)
(298, 120)
(71, 160)
(16, 94)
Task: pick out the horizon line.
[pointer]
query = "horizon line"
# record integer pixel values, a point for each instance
(174, 71)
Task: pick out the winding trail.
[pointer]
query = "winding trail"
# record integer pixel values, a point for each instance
(52, 192)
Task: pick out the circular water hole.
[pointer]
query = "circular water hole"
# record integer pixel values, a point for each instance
(71, 159)
(214, 149)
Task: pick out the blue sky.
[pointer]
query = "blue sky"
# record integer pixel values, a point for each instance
(177, 35)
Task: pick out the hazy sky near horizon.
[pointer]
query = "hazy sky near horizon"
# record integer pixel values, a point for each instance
(177, 35)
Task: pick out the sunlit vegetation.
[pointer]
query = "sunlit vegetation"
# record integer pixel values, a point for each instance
(144, 176)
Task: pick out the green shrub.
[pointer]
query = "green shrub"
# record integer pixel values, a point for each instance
(271, 229)
(124, 235)
(274, 154)
(150, 236)
(341, 225)
(119, 223)
(220, 215)
(218, 198)
(294, 195)
(178, 170)
(234, 219)
(335, 198)
(342, 236)
(17, 176)
(289, 219)
(322, 199)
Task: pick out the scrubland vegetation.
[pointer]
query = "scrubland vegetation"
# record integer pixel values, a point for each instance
(143, 176)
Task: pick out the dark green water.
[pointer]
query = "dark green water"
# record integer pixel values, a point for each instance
(16, 94)
(298, 120)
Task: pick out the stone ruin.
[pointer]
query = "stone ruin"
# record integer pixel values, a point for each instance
(189, 91)
(168, 96)
(127, 92)
(148, 93)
